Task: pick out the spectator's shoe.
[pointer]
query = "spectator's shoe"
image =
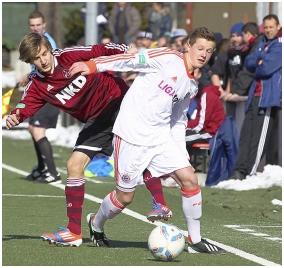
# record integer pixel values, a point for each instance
(63, 237)
(48, 178)
(98, 238)
(36, 173)
(159, 212)
(237, 175)
(205, 247)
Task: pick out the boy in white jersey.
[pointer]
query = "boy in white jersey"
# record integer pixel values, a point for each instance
(142, 129)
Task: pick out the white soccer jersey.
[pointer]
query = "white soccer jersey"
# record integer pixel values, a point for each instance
(163, 80)
(179, 119)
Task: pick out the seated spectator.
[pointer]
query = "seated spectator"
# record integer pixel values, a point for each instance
(205, 120)
(177, 37)
(144, 40)
(164, 41)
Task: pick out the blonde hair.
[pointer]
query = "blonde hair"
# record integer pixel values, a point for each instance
(30, 46)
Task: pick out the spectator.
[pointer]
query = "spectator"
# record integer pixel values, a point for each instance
(164, 41)
(124, 23)
(240, 85)
(177, 37)
(207, 116)
(206, 111)
(160, 21)
(219, 75)
(105, 39)
(46, 117)
(144, 40)
(264, 101)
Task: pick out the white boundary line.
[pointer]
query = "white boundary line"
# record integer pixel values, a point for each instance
(239, 228)
(138, 216)
(35, 195)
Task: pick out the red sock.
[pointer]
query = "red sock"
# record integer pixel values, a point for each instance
(155, 187)
(74, 191)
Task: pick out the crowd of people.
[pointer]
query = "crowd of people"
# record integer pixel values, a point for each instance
(171, 84)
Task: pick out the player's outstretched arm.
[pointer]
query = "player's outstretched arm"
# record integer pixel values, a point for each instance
(13, 120)
(146, 61)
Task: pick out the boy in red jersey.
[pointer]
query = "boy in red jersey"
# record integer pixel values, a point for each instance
(93, 99)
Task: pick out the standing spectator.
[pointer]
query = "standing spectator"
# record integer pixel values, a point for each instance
(236, 56)
(124, 23)
(264, 100)
(45, 118)
(219, 75)
(240, 85)
(160, 21)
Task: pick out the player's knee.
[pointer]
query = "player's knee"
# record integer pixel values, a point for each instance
(75, 167)
(191, 182)
(125, 198)
(30, 129)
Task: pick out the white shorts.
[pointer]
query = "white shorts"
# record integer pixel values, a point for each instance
(131, 160)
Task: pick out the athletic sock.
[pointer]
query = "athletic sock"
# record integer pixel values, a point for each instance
(192, 209)
(109, 208)
(74, 191)
(47, 155)
(155, 187)
(40, 161)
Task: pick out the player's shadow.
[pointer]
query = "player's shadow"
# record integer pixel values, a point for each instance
(19, 237)
(160, 261)
(121, 244)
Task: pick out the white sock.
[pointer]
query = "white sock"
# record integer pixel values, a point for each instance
(109, 208)
(192, 209)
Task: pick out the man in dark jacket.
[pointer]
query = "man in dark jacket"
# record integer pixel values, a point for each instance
(264, 100)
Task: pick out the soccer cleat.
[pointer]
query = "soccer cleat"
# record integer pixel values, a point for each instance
(36, 173)
(205, 247)
(63, 237)
(48, 178)
(159, 212)
(98, 238)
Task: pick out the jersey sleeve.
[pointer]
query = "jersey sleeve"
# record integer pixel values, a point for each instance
(30, 103)
(146, 61)
(85, 53)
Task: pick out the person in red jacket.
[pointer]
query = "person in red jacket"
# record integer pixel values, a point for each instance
(207, 117)
(93, 99)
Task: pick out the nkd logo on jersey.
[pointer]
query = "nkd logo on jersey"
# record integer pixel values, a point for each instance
(68, 92)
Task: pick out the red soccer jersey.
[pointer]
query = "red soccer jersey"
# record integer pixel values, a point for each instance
(81, 96)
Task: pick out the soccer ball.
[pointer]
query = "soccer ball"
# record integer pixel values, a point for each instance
(166, 242)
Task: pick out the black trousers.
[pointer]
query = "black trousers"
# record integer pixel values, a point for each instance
(255, 137)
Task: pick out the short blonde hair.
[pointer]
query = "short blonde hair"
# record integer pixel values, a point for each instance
(30, 46)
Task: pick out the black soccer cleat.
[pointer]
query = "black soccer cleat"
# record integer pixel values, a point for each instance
(98, 238)
(48, 178)
(36, 173)
(205, 247)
